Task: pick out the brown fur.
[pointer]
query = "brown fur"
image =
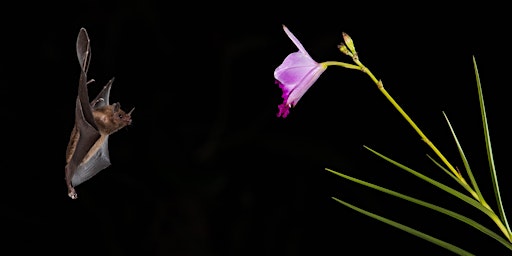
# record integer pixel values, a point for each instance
(111, 118)
(73, 140)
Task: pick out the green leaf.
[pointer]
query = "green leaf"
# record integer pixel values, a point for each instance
(445, 211)
(490, 157)
(408, 229)
(451, 191)
(466, 163)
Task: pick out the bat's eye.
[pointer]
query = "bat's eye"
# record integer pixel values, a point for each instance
(120, 116)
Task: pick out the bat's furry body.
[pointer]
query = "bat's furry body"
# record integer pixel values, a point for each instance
(87, 152)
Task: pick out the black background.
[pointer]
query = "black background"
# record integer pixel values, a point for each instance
(207, 168)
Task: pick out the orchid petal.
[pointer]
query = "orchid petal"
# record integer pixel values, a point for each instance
(296, 75)
(295, 41)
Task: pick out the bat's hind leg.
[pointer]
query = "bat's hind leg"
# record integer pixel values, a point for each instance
(72, 193)
(71, 190)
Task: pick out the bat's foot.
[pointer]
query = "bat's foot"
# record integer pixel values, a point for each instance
(72, 194)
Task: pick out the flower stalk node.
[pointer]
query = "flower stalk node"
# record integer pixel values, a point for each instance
(380, 85)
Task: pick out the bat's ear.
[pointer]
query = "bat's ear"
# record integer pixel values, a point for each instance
(102, 98)
(117, 106)
(83, 49)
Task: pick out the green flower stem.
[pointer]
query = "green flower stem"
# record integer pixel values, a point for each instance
(416, 128)
(341, 64)
(424, 138)
(361, 67)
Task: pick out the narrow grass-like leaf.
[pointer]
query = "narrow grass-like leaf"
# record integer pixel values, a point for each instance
(408, 229)
(451, 191)
(465, 161)
(490, 157)
(466, 186)
(445, 170)
(450, 213)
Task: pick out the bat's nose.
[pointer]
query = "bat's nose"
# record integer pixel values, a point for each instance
(127, 119)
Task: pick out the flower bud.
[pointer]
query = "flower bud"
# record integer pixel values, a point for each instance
(349, 42)
(343, 48)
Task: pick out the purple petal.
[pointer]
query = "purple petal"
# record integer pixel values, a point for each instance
(296, 75)
(294, 68)
(295, 41)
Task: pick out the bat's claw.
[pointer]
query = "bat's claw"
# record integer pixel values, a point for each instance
(72, 194)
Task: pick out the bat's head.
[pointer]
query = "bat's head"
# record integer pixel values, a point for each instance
(111, 118)
(121, 116)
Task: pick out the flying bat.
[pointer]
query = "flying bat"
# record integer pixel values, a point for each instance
(87, 151)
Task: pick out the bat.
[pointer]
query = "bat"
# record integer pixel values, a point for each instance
(87, 151)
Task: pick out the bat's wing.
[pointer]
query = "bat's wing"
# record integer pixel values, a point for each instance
(83, 49)
(91, 151)
(83, 52)
(97, 160)
(103, 96)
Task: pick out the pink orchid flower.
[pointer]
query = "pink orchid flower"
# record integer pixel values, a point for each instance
(295, 75)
